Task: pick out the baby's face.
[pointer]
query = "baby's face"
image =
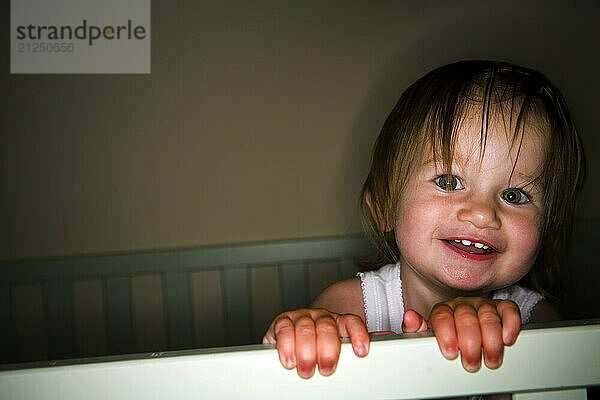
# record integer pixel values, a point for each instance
(483, 232)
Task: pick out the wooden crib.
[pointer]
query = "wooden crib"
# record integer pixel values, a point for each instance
(149, 317)
(196, 298)
(163, 300)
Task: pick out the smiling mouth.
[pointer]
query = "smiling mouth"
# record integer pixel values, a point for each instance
(470, 247)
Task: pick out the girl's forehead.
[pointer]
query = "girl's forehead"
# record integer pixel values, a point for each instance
(495, 143)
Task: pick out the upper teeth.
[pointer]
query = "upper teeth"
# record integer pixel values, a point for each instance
(469, 243)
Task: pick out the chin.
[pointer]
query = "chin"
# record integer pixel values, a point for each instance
(467, 280)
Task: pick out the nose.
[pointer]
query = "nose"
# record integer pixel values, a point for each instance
(480, 212)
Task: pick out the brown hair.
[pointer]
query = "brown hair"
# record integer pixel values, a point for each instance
(429, 113)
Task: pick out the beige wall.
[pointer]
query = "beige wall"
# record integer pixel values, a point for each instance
(257, 120)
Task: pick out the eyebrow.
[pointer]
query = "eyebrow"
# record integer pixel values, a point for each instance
(529, 181)
(455, 159)
(427, 161)
(524, 176)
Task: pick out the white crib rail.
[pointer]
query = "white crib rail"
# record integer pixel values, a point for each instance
(547, 362)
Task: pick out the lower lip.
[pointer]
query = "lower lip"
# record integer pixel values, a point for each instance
(470, 256)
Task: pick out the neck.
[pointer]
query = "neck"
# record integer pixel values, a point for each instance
(421, 295)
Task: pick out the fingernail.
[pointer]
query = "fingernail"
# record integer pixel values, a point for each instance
(361, 350)
(473, 367)
(305, 373)
(493, 363)
(451, 353)
(289, 363)
(509, 340)
(326, 371)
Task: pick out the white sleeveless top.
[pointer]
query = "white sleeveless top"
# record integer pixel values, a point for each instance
(384, 304)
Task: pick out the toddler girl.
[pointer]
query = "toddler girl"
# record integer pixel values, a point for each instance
(471, 192)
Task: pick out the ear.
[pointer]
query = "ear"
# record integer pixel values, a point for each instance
(376, 214)
(369, 203)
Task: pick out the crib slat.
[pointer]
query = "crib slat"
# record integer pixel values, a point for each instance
(60, 319)
(89, 317)
(179, 310)
(293, 285)
(118, 309)
(321, 274)
(237, 305)
(28, 306)
(147, 305)
(266, 298)
(208, 304)
(6, 345)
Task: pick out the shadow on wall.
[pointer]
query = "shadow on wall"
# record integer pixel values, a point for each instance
(580, 296)
(454, 34)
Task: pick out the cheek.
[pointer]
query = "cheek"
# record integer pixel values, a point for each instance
(417, 221)
(525, 233)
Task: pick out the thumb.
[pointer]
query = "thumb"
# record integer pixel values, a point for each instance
(413, 322)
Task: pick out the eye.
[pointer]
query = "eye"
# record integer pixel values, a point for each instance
(448, 182)
(515, 196)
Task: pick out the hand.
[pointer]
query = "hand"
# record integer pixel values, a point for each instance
(309, 337)
(467, 324)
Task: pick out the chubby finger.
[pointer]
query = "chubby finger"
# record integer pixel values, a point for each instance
(283, 334)
(442, 322)
(352, 326)
(328, 344)
(469, 336)
(491, 335)
(306, 346)
(511, 321)
(413, 322)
